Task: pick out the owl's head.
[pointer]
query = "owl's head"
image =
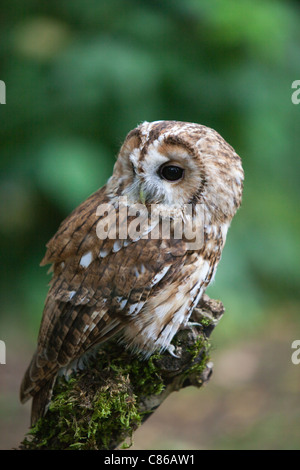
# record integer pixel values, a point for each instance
(177, 163)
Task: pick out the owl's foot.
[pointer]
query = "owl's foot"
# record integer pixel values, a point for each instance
(188, 325)
(171, 349)
(193, 323)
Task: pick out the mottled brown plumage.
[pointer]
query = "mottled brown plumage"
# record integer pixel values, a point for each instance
(139, 288)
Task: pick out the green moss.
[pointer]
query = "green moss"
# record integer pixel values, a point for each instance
(116, 381)
(205, 322)
(200, 357)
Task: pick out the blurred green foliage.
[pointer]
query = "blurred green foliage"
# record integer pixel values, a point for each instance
(80, 75)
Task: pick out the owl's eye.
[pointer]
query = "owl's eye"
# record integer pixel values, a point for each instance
(171, 172)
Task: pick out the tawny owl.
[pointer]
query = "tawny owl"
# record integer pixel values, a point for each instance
(139, 282)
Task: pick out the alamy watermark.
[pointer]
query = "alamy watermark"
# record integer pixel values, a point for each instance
(2, 92)
(296, 94)
(132, 222)
(296, 354)
(2, 352)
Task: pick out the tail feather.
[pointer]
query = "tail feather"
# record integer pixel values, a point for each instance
(41, 401)
(28, 385)
(38, 384)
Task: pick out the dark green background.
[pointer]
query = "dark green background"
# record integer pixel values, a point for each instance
(81, 74)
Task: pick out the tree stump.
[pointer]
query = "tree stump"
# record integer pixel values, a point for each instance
(100, 407)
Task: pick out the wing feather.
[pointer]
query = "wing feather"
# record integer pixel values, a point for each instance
(96, 285)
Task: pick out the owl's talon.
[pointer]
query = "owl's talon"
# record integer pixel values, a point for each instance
(193, 323)
(171, 349)
(189, 324)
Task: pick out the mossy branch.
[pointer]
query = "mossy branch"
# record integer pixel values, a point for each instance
(101, 407)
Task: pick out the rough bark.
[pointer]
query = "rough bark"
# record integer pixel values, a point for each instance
(101, 406)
